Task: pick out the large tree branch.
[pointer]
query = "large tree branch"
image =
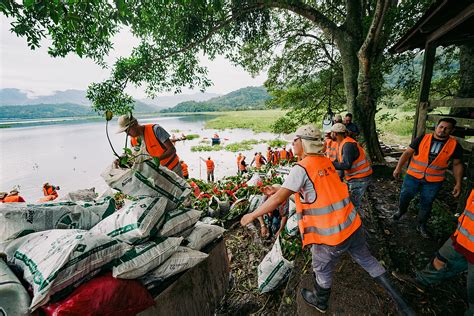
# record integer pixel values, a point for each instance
(322, 45)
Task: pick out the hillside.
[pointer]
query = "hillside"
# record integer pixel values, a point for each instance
(172, 100)
(248, 98)
(38, 111)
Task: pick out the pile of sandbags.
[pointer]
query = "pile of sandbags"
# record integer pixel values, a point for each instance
(61, 246)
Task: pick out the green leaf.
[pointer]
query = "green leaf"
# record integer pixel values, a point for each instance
(127, 151)
(28, 3)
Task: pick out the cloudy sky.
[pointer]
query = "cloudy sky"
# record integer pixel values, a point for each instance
(39, 74)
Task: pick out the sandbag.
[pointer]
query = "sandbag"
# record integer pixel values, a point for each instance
(291, 226)
(135, 221)
(148, 179)
(254, 180)
(203, 234)
(19, 219)
(105, 296)
(145, 257)
(80, 195)
(274, 269)
(14, 299)
(183, 259)
(57, 261)
(255, 202)
(178, 221)
(291, 207)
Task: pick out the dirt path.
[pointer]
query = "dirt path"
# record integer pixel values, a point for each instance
(396, 245)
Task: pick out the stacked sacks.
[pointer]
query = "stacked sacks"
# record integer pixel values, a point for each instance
(148, 179)
(19, 219)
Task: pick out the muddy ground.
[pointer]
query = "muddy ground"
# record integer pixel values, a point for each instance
(397, 245)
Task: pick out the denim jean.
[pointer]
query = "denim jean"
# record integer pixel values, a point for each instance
(428, 191)
(210, 176)
(273, 223)
(456, 263)
(326, 257)
(357, 188)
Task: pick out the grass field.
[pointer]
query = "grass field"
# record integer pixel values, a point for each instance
(258, 121)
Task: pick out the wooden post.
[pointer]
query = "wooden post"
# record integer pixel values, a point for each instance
(422, 106)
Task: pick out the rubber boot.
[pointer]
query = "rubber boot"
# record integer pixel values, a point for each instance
(402, 306)
(319, 298)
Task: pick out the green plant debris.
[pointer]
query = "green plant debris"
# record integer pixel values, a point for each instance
(206, 148)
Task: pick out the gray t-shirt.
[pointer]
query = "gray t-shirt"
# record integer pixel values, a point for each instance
(160, 133)
(298, 181)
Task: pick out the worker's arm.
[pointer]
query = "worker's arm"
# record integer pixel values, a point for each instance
(169, 151)
(263, 227)
(458, 170)
(272, 203)
(283, 221)
(402, 161)
(253, 160)
(349, 154)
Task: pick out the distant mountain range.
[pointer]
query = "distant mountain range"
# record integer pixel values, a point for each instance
(15, 104)
(248, 98)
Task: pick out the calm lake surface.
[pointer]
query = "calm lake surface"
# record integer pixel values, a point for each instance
(72, 155)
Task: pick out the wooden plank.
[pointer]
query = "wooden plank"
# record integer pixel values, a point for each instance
(452, 103)
(451, 24)
(461, 122)
(426, 74)
(465, 144)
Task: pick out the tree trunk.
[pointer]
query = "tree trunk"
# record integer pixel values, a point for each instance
(466, 81)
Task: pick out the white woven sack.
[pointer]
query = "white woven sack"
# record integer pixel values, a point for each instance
(183, 259)
(254, 180)
(255, 202)
(274, 269)
(80, 195)
(19, 219)
(55, 262)
(203, 234)
(148, 179)
(145, 257)
(178, 221)
(135, 221)
(292, 225)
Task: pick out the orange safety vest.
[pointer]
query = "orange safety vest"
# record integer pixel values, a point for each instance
(360, 167)
(283, 154)
(210, 165)
(156, 148)
(258, 161)
(241, 166)
(330, 149)
(269, 156)
(239, 159)
(48, 190)
(464, 234)
(331, 218)
(276, 157)
(420, 167)
(184, 168)
(13, 199)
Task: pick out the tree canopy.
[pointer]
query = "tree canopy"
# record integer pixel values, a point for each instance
(306, 46)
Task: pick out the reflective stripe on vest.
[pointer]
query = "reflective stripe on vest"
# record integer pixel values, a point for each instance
(156, 148)
(331, 218)
(435, 171)
(465, 231)
(360, 168)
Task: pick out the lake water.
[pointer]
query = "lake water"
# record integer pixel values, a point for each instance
(72, 156)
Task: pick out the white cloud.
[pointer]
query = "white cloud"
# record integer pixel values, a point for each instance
(36, 73)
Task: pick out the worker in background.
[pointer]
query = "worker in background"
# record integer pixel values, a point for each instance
(184, 168)
(284, 155)
(257, 159)
(215, 135)
(152, 139)
(351, 128)
(430, 155)
(455, 256)
(13, 197)
(263, 161)
(49, 192)
(243, 166)
(337, 118)
(276, 156)
(352, 160)
(239, 158)
(269, 155)
(2, 196)
(330, 147)
(328, 221)
(210, 167)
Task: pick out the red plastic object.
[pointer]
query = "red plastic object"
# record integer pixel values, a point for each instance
(104, 295)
